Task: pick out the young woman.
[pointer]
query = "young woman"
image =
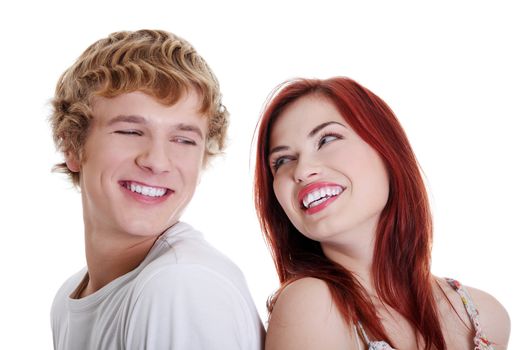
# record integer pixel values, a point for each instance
(344, 209)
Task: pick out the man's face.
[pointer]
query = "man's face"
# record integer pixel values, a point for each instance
(142, 162)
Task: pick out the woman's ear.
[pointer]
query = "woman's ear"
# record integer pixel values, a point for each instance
(72, 162)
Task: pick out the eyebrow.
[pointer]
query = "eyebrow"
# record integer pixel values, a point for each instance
(321, 127)
(127, 119)
(190, 128)
(137, 119)
(310, 135)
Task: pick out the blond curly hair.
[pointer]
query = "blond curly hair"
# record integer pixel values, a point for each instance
(155, 62)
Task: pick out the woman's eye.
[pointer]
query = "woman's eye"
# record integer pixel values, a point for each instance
(327, 139)
(276, 164)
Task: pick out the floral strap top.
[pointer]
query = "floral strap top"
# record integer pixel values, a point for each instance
(480, 340)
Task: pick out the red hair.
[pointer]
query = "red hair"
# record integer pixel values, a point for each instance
(401, 262)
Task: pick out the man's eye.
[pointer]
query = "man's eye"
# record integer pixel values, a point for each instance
(184, 141)
(129, 132)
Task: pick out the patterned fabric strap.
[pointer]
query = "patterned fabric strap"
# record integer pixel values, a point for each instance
(372, 345)
(480, 340)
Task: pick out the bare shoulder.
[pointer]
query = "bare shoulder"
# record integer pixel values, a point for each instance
(305, 294)
(494, 319)
(305, 317)
(307, 298)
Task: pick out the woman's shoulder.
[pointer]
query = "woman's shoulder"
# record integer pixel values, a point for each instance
(305, 298)
(493, 317)
(305, 317)
(306, 288)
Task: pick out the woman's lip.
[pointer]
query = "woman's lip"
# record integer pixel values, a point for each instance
(318, 208)
(315, 186)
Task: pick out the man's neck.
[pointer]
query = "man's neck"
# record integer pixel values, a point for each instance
(110, 255)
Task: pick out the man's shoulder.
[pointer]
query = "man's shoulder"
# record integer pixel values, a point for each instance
(184, 253)
(218, 307)
(59, 305)
(185, 247)
(193, 288)
(74, 280)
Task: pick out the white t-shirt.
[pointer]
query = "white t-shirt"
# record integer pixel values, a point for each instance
(184, 295)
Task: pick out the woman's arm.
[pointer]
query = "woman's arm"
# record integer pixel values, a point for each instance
(304, 317)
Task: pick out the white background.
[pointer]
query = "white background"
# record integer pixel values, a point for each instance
(452, 71)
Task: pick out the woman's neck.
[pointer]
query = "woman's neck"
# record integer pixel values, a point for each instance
(356, 254)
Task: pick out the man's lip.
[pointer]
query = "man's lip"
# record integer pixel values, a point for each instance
(125, 183)
(314, 186)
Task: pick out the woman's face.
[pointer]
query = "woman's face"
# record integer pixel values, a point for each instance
(331, 184)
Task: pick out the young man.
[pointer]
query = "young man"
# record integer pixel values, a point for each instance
(137, 117)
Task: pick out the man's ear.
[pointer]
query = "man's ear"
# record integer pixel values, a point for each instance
(72, 162)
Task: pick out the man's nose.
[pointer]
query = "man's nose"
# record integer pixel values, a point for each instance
(154, 157)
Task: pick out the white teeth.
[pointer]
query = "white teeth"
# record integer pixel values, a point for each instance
(316, 203)
(146, 190)
(320, 195)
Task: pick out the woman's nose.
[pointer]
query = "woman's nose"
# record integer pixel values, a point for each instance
(306, 169)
